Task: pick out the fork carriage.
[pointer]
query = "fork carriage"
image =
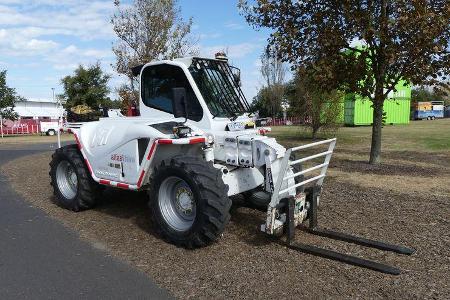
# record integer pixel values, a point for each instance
(294, 210)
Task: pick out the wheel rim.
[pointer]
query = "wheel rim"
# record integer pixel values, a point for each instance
(67, 179)
(177, 203)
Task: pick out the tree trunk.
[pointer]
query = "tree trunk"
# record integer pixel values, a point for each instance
(315, 129)
(375, 150)
(379, 67)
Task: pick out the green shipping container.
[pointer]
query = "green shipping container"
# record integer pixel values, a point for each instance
(358, 111)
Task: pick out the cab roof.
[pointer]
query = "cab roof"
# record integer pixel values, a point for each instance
(185, 60)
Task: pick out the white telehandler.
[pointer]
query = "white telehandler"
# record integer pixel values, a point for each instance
(194, 146)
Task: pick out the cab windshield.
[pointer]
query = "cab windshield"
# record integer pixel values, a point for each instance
(218, 86)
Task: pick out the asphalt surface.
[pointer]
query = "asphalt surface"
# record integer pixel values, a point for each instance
(42, 259)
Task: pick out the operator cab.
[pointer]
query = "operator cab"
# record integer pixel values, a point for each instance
(210, 88)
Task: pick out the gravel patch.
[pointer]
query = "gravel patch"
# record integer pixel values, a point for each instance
(246, 264)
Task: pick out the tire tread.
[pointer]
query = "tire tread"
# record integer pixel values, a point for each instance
(214, 196)
(88, 191)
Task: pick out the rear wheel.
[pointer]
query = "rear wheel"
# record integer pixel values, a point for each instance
(73, 186)
(51, 132)
(189, 202)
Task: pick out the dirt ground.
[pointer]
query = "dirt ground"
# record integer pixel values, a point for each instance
(405, 200)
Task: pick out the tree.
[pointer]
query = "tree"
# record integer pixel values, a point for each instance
(127, 98)
(400, 40)
(265, 106)
(424, 94)
(444, 93)
(319, 108)
(88, 86)
(429, 93)
(273, 71)
(149, 30)
(112, 104)
(8, 97)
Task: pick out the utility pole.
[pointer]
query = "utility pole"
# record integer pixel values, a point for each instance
(1, 124)
(58, 133)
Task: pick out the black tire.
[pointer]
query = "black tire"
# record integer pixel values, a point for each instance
(87, 190)
(51, 132)
(212, 204)
(257, 198)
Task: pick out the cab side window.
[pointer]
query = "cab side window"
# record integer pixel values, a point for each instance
(156, 88)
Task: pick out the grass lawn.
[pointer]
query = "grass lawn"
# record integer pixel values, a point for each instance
(415, 157)
(418, 136)
(32, 139)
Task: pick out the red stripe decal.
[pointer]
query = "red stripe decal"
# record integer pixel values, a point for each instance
(164, 142)
(140, 179)
(152, 149)
(122, 185)
(197, 140)
(88, 165)
(103, 181)
(78, 142)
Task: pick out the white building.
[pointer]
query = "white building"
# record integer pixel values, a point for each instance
(38, 109)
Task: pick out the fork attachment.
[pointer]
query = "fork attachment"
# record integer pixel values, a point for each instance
(312, 194)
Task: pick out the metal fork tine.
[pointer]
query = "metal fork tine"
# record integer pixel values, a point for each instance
(352, 260)
(358, 240)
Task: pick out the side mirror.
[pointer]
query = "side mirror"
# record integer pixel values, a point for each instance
(179, 102)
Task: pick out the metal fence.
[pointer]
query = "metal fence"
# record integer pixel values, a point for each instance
(287, 121)
(21, 127)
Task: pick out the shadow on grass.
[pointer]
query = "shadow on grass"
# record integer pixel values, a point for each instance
(127, 205)
(352, 166)
(441, 160)
(245, 219)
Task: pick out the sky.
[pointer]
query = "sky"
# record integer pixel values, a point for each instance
(42, 41)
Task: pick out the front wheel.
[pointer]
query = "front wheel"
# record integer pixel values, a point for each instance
(73, 186)
(189, 202)
(51, 132)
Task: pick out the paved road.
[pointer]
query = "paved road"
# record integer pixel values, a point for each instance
(41, 259)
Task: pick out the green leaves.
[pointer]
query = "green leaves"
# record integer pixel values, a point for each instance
(149, 30)
(402, 39)
(321, 108)
(87, 86)
(8, 97)
(398, 40)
